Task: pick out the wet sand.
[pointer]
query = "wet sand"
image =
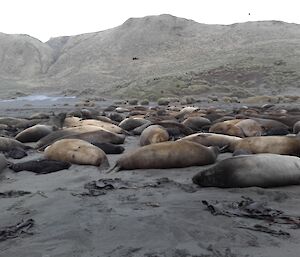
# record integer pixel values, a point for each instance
(155, 217)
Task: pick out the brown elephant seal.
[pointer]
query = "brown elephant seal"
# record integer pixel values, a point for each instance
(140, 129)
(101, 124)
(212, 139)
(228, 127)
(175, 128)
(285, 145)
(34, 133)
(272, 127)
(196, 123)
(93, 137)
(109, 148)
(55, 135)
(39, 115)
(154, 134)
(12, 122)
(76, 151)
(116, 117)
(250, 128)
(40, 166)
(186, 110)
(260, 170)
(167, 155)
(132, 123)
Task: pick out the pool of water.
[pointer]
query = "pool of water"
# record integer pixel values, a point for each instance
(33, 98)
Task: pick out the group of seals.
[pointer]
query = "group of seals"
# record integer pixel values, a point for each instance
(202, 134)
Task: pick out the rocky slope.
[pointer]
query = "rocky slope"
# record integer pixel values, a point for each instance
(159, 55)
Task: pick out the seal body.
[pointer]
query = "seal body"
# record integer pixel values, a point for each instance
(154, 134)
(34, 133)
(269, 144)
(8, 144)
(55, 135)
(228, 127)
(109, 148)
(40, 166)
(261, 170)
(76, 151)
(167, 155)
(212, 139)
(132, 123)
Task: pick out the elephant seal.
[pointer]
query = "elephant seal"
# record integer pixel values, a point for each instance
(175, 128)
(34, 133)
(3, 162)
(167, 155)
(272, 127)
(93, 137)
(109, 148)
(212, 139)
(39, 115)
(196, 123)
(8, 144)
(55, 135)
(132, 123)
(250, 128)
(261, 170)
(285, 145)
(40, 166)
(296, 127)
(227, 127)
(16, 153)
(76, 151)
(140, 129)
(101, 124)
(154, 134)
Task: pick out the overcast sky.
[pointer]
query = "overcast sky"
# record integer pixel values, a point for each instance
(51, 18)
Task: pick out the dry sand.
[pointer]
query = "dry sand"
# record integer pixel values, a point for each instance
(165, 220)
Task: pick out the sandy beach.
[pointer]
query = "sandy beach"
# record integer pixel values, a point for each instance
(150, 213)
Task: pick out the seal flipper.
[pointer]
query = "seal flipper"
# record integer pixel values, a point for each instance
(105, 165)
(115, 168)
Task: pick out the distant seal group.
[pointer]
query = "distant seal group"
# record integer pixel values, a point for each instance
(264, 141)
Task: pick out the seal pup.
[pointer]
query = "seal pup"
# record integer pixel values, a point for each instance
(260, 170)
(167, 155)
(40, 166)
(76, 151)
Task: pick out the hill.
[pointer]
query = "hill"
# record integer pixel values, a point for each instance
(157, 56)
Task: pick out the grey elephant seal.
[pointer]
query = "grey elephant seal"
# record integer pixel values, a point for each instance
(154, 134)
(167, 155)
(76, 151)
(8, 144)
(3, 162)
(261, 170)
(40, 166)
(34, 133)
